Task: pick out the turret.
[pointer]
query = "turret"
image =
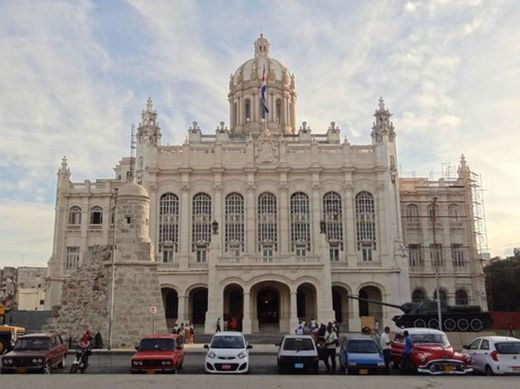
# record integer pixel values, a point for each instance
(148, 138)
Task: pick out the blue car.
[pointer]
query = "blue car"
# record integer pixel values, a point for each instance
(361, 354)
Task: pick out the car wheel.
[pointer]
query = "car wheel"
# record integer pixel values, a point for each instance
(61, 365)
(47, 368)
(73, 368)
(489, 371)
(280, 369)
(476, 325)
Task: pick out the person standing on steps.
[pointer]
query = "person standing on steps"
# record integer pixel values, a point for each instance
(330, 345)
(385, 343)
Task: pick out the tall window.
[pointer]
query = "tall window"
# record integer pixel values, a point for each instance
(433, 213)
(436, 257)
(300, 228)
(75, 215)
(201, 222)
(412, 213)
(415, 253)
(168, 226)
(247, 110)
(366, 225)
(461, 297)
(333, 219)
(454, 211)
(278, 117)
(96, 215)
(457, 255)
(234, 228)
(267, 224)
(71, 258)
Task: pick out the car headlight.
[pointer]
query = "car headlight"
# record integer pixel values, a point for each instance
(6, 361)
(164, 363)
(40, 360)
(380, 363)
(350, 363)
(242, 355)
(422, 357)
(211, 354)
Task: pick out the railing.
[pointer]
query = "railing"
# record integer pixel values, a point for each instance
(269, 261)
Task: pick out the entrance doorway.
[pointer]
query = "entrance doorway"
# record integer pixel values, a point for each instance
(233, 307)
(268, 306)
(199, 305)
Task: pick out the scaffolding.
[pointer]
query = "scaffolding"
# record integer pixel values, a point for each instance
(479, 214)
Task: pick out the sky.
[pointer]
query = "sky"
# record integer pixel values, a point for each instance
(75, 75)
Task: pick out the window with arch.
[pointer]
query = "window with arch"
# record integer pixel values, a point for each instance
(418, 296)
(461, 297)
(436, 255)
(75, 216)
(234, 224)
(415, 256)
(235, 114)
(333, 218)
(113, 215)
(267, 225)
(71, 258)
(366, 225)
(457, 255)
(96, 215)
(433, 213)
(444, 297)
(201, 224)
(454, 212)
(168, 226)
(300, 225)
(278, 117)
(247, 110)
(412, 213)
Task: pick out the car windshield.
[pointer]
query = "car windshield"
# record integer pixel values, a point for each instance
(157, 345)
(34, 344)
(362, 346)
(508, 348)
(430, 339)
(227, 341)
(298, 344)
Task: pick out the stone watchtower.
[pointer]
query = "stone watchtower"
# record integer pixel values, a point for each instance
(137, 303)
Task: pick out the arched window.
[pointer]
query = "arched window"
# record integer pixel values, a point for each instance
(234, 228)
(366, 225)
(412, 213)
(433, 213)
(247, 110)
(332, 216)
(113, 215)
(300, 228)
(267, 225)
(235, 114)
(444, 298)
(418, 296)
(96, 215)
(75, 215)
(461, 297)
(168, 226)
(278, 117)
(454, 212)
(201, 224)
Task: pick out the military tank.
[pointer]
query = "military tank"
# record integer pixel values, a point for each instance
(424, 314)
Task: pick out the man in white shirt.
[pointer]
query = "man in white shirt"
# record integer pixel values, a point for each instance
(385, 346)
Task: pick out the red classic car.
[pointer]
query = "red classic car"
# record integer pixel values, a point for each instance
(35, 353)
(158, 353)
(431, 353)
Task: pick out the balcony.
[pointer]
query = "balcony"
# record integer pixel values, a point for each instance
(278, 260)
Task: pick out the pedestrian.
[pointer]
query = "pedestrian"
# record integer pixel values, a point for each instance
(385, 343)
(180, 330)
(299, 329)
(98, 340)
(175, 328)
(407, 352)
(314, 324)
(377, 328)
(511, 331)
(330, 345)
(218, 325)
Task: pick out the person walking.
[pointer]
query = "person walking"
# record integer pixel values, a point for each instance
(218, 325)
(330, 345)
(385, 343)
(299, 329)
(407, 352)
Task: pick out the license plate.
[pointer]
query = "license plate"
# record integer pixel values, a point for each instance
(363, 371)
(298, 365)
(150, 371)
(449, 369)
(226, 367)
(21, 370)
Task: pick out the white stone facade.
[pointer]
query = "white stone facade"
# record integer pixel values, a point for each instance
(261, 222)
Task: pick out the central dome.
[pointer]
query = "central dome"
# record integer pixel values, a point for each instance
(244, 95)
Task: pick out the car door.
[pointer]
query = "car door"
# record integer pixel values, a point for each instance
(473, 351)
(484, 356)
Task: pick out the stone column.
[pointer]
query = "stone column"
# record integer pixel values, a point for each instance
(315, 207)
(382, 249)
(349, 218)
(185, 227)
(284, 215)
(154, 220)
(246, 321)
(181, 309)
(354, 322)
(293, 318)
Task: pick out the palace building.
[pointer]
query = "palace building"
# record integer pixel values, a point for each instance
(269, 223)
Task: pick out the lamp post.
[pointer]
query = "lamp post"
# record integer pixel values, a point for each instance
(437, 259)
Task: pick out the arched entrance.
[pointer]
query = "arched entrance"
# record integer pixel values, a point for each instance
(340, 304)
(170, 303)
(270, 307)
(233, 307)
(371, 309)
(306, 302)
(198, 305)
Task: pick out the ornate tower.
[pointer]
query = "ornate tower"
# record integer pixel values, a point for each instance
(148, 139)
(244, 95)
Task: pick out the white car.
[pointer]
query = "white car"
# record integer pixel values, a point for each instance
(495, 355)
(228, 352)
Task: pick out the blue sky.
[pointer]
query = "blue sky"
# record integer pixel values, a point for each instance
(74, 76)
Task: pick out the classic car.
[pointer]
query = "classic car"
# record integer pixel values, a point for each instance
(8, 336)
(228, 352)
(35, 353)
(158, 354)
(431, 353)
(297, 353)
(492, 355)
(361, 354)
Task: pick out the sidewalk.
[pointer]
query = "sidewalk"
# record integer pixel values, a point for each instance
(191, 348)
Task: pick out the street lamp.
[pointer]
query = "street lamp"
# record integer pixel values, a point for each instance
(437, 259)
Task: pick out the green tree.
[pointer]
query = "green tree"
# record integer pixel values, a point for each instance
(503, 279)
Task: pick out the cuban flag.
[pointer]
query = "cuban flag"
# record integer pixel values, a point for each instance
(263, 97)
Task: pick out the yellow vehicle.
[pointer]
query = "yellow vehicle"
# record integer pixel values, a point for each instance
(8, 334)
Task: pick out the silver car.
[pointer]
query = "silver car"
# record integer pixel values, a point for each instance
(492, 355)
(297, 353)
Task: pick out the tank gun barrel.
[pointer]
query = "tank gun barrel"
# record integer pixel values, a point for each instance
(376, 302)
